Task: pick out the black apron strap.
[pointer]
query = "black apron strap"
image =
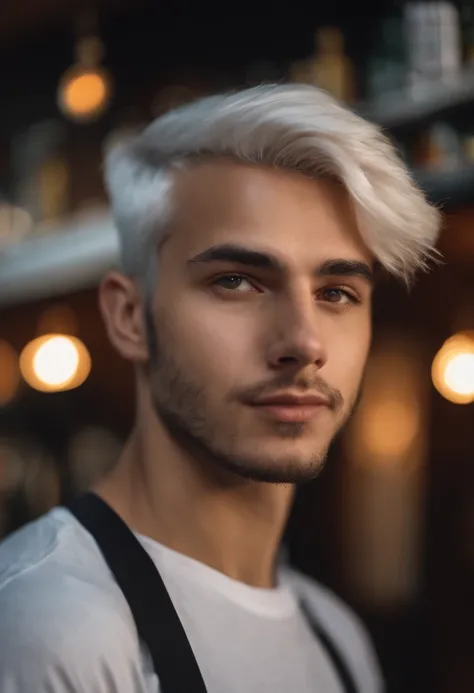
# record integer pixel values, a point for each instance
(332, 650)
(156, 620)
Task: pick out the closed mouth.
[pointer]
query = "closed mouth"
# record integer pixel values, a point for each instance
(291, 400)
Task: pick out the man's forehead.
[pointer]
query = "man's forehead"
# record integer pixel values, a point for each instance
(272, 211)
(222, 186)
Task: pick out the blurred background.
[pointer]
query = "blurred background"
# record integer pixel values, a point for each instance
(390, 524)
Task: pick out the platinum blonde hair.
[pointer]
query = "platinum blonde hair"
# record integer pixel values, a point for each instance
(290, 127)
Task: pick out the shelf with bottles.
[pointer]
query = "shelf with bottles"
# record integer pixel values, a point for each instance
(404, 107)
(419, 64)
(441, 155)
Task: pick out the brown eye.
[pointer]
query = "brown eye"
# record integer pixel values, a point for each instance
(338, 296)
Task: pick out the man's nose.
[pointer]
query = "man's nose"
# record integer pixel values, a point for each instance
(299, 337)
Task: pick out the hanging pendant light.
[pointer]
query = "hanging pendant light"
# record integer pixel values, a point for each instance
(85, 89)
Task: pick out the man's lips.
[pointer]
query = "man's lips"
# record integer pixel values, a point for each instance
(291, 407)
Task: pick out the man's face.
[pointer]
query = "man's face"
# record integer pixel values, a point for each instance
(260, 323)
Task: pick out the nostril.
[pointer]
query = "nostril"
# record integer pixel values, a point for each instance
(287, 360)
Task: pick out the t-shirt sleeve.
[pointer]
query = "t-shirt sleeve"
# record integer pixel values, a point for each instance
(48, 646)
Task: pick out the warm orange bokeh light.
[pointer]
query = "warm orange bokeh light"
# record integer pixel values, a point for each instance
(84, 94)
(389, 428)
(55, 362)
(453, 369)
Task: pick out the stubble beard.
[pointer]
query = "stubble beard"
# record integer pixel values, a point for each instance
(181, 406)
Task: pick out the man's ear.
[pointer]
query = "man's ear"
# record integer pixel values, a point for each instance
(122, 308)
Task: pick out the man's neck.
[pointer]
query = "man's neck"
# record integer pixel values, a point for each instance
(230, 524)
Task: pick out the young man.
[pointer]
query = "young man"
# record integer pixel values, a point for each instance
(252, 226)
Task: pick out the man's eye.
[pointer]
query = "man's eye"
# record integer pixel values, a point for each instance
(234, 282)
(339, 296)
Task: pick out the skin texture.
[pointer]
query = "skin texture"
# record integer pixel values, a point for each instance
(264, 286)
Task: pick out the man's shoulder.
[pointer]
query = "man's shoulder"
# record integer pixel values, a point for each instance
(53, 568)
(34, 544)
(343, 625)
(62, 613)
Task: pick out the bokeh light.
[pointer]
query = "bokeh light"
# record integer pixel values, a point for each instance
(84, 93)
(55, 362)
(453, 369)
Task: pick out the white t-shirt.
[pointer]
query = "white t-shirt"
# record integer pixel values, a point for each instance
(65, 626)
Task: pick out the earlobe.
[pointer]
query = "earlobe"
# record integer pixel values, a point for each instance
(121, 305)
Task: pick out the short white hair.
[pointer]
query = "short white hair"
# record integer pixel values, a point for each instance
(288, 126)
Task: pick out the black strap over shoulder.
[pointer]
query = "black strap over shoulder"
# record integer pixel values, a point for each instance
(345, 675)
(156, 620)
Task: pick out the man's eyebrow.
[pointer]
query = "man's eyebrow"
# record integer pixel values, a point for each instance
(346, 268)
(240, 255)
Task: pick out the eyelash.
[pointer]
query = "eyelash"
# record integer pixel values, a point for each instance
(351, 297)
(234, 275)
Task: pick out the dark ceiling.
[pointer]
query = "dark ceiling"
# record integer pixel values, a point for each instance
(21, 20)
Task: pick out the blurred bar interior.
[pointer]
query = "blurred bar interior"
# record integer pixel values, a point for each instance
(390, 525)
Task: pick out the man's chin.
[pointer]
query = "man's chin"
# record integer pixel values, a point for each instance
(275, 471)
(286, 458)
